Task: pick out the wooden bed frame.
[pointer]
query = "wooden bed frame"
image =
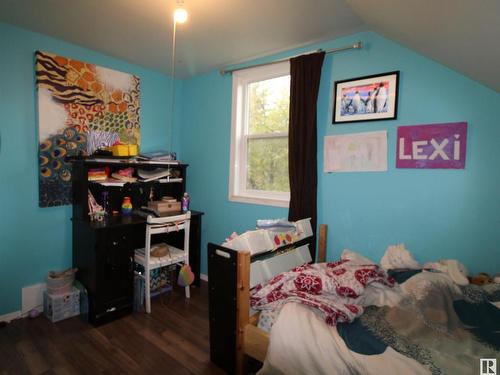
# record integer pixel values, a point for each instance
(233, 331)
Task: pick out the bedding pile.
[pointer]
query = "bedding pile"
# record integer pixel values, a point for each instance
(435, 326)
(334, 290)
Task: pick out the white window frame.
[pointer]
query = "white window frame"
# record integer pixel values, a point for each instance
(239, 136)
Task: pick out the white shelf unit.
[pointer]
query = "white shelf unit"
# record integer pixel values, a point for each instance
(176, 256)
(143, 256)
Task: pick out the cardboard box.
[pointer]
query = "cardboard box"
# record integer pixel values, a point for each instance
(61, 306)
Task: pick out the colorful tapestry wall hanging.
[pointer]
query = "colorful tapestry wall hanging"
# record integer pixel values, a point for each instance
(78, 102)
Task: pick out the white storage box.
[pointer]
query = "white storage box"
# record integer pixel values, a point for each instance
(304, 228)
(61, 306)
(262, 240)
(255, 241)
(262, 271)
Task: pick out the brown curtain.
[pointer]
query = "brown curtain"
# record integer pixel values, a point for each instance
(305, 72)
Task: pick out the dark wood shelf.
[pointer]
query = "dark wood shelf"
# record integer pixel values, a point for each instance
(118, 221)
(127, 162)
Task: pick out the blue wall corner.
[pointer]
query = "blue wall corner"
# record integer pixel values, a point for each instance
(35, 240)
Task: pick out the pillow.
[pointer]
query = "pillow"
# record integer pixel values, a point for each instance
(420, 285)
(453, 268)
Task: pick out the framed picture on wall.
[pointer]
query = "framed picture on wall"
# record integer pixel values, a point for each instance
(368, 98)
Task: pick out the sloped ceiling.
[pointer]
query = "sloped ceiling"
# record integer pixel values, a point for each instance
(462, 34)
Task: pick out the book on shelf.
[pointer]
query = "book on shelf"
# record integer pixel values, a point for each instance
(160, 155)
(160, 174)
(112, 182)
(132, 160)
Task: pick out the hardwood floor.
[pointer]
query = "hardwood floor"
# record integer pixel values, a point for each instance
(173, 339)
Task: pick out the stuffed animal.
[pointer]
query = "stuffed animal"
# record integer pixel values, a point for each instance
(481, 279)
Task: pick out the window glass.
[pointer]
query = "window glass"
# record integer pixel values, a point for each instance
(269, 103)
(259, 136)
(267, 164)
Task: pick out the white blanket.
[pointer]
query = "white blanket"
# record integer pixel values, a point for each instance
(325, 352)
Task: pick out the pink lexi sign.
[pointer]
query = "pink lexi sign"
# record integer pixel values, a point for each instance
(432, 146)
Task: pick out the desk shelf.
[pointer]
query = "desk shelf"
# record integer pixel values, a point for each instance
(176, 256)
(123, 183)
(104, 251)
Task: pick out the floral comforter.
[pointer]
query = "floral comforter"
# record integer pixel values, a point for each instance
(333, 289)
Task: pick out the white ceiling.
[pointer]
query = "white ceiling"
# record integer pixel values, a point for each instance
(462, 34)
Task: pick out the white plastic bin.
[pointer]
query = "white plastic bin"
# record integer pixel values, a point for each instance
(255, 241)
(304, 228)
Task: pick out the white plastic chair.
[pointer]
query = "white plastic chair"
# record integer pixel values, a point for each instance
(156, 225)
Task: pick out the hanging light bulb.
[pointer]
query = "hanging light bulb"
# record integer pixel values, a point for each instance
(180, 15)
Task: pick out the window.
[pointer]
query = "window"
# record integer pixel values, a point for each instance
(259, 135)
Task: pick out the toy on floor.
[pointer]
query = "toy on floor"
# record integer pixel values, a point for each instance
(186, 276)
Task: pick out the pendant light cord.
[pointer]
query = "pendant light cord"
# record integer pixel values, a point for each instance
(173, 87)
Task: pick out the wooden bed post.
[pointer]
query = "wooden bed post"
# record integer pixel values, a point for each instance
(322, 243)
(242, 307)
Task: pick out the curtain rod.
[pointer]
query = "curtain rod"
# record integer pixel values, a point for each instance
(357, 45)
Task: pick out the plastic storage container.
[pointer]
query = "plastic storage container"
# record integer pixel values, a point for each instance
(60, 282)
(304, 228)
(61, 306)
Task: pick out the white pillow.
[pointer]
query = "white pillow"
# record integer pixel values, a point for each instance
(453, 268)
(422, 283)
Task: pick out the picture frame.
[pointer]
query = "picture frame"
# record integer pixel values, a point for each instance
(367, 98)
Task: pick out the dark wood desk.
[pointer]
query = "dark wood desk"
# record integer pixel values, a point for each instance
(104, 255)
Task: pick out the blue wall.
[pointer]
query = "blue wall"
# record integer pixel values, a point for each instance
(436, 213)
(35, 240)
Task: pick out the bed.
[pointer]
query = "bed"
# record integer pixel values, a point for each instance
(442, 328)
